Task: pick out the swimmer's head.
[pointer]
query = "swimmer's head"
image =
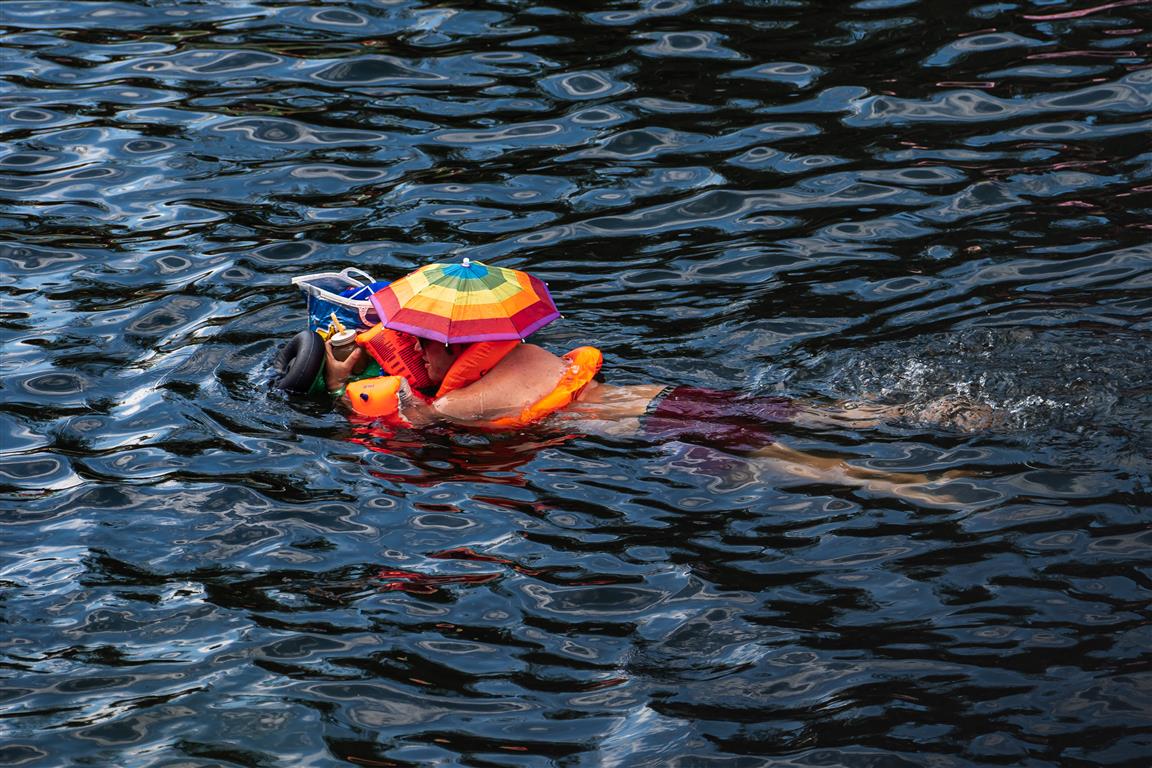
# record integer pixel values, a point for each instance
(439, 358)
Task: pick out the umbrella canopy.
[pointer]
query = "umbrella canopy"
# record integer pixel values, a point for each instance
(466, 302)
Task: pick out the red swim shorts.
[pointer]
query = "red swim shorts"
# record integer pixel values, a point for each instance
(729, 421)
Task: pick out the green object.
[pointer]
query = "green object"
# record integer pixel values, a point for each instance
(319, 387)
(370, 372)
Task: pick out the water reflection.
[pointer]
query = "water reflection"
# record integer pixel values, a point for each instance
(884, 200)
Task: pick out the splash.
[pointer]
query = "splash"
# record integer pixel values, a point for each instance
(1044, 383)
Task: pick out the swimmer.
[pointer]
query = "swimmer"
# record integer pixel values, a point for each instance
(525, 375)
(508, 395)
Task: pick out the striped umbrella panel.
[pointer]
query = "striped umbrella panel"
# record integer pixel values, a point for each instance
(459, 303)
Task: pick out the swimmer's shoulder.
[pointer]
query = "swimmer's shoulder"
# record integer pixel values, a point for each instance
(526, 374)
(532, 355)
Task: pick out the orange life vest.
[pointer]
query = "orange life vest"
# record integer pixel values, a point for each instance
(475, 361)
(399, 355)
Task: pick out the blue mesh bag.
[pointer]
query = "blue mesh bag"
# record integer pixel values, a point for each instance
(344, 293)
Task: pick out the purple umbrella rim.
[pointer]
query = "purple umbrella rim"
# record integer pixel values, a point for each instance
(424, 333)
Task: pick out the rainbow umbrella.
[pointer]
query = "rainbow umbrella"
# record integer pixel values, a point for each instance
(465, 302)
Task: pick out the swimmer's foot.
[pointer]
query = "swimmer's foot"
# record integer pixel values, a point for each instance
(955, 412)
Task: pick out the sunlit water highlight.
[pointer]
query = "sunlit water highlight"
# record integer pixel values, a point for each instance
(886, 200)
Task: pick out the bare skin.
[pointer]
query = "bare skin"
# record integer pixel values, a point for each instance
(617, 410)
(529, 372)
(337, 372)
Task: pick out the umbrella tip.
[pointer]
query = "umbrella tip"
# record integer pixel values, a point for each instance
(466, 263)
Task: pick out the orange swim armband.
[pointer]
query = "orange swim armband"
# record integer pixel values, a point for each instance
(583, 365)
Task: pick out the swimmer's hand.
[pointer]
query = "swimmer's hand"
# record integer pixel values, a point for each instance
(337, 372)
(413, 408)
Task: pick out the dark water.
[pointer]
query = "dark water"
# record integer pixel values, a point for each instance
(886, 199)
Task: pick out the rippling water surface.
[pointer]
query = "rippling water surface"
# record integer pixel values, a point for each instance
(886, 199)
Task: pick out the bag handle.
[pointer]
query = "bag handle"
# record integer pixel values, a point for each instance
(348, 273)
(368, 316)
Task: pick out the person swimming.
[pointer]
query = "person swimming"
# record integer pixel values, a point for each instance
(511, 392)
(513, 384)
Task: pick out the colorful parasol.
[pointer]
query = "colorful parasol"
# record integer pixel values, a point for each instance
(466, 302)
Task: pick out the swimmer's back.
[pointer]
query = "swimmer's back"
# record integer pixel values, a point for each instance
(525, 375)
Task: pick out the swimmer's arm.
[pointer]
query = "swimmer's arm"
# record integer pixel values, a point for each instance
(416, 410)
(475, 405)
(465, 407)
(527, 374)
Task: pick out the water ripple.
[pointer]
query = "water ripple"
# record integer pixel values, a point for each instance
(885, 201)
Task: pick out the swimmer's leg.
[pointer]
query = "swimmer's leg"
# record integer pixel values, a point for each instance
(913, 486)
(844, 415)
(952, 412)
